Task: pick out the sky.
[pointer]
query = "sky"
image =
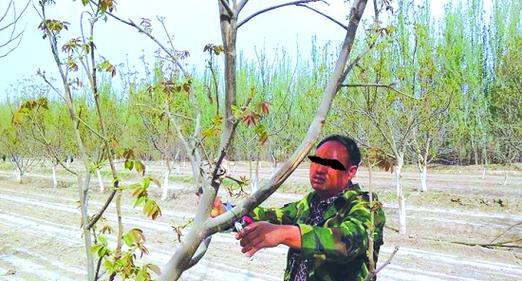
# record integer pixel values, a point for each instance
(192, 23)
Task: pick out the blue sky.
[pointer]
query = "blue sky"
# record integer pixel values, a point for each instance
(193, 24)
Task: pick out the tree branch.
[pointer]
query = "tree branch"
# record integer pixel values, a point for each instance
(98, 215)
(273, 8)
(386, 263)
(324, 15)
(241, 5)
(505, 231)
(387, 86)
(227, 8)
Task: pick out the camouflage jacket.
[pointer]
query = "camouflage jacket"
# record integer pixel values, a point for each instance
(337, 246)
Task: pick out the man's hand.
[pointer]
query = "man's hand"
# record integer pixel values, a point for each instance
(260, 235)
(217, 208)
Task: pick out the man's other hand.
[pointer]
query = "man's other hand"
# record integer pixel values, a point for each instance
(217, 208)
(260, 235)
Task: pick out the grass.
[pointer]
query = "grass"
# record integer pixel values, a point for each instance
(4, 165)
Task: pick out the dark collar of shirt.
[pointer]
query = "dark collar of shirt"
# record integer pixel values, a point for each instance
(320, 206)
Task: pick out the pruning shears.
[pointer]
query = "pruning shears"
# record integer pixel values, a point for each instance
(240, 224)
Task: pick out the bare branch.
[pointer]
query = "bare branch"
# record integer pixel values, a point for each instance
(388, 86)
(98, 215)
(14, 36)
(241, 5)
(141, 30)
(505, 231)
(227, 7)
(386, 263)
(324, 15)
(273, 8)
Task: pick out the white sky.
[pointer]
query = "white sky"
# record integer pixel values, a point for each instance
(194, 23)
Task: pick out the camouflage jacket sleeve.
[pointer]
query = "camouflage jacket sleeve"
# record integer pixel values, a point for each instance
(340, 239)
(285, 215)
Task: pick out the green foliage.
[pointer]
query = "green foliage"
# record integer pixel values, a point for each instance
(140, 191)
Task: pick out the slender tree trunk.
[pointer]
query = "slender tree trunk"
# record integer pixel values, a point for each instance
(400, 195)
(178, 162)
(475, 151)
(274, 162)
(485, 159)
(55, 181)
(371, 229)
(253, 181)
(83, 189)
(424, 177)
(100, 180)
(165, 192)
(19, 176)
(256, 182)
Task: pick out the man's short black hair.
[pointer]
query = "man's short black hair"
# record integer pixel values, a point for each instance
(349, 144)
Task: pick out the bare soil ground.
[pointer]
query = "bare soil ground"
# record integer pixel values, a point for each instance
(40, 237)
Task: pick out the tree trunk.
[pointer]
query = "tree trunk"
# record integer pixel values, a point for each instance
(371, 230)
(55, 181)
(83, 189)
(100, 180)
(253, 181)
(274, 163)
(424, 177)
(400, 195)
(165, 192)
(256, 183)
(19, 176)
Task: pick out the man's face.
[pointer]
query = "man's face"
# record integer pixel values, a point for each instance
(326, 178)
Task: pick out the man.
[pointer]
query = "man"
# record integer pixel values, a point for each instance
(326, 231)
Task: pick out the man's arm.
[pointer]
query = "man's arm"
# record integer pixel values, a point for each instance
(343, 242)
(285, 215)
(263, 234)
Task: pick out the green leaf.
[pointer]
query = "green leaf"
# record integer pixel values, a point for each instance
(146, 182)
(236, 111)
(128, 238)
(140, 167)
(129, 164)
(140, 201)
(109, 266)
(85, 2)
(151, 209)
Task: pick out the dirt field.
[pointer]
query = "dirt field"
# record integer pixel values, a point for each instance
(40, 237)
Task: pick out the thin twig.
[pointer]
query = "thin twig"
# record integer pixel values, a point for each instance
(102, 210)
(141, 30)
(505, 231)
(388, 86)
(386, 263)
(241, 5)
(273, 8)
(324, 15)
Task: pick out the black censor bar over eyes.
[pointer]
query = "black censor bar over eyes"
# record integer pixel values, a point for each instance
(332, 163)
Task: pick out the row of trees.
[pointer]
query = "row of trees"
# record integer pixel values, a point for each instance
(445, 91)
